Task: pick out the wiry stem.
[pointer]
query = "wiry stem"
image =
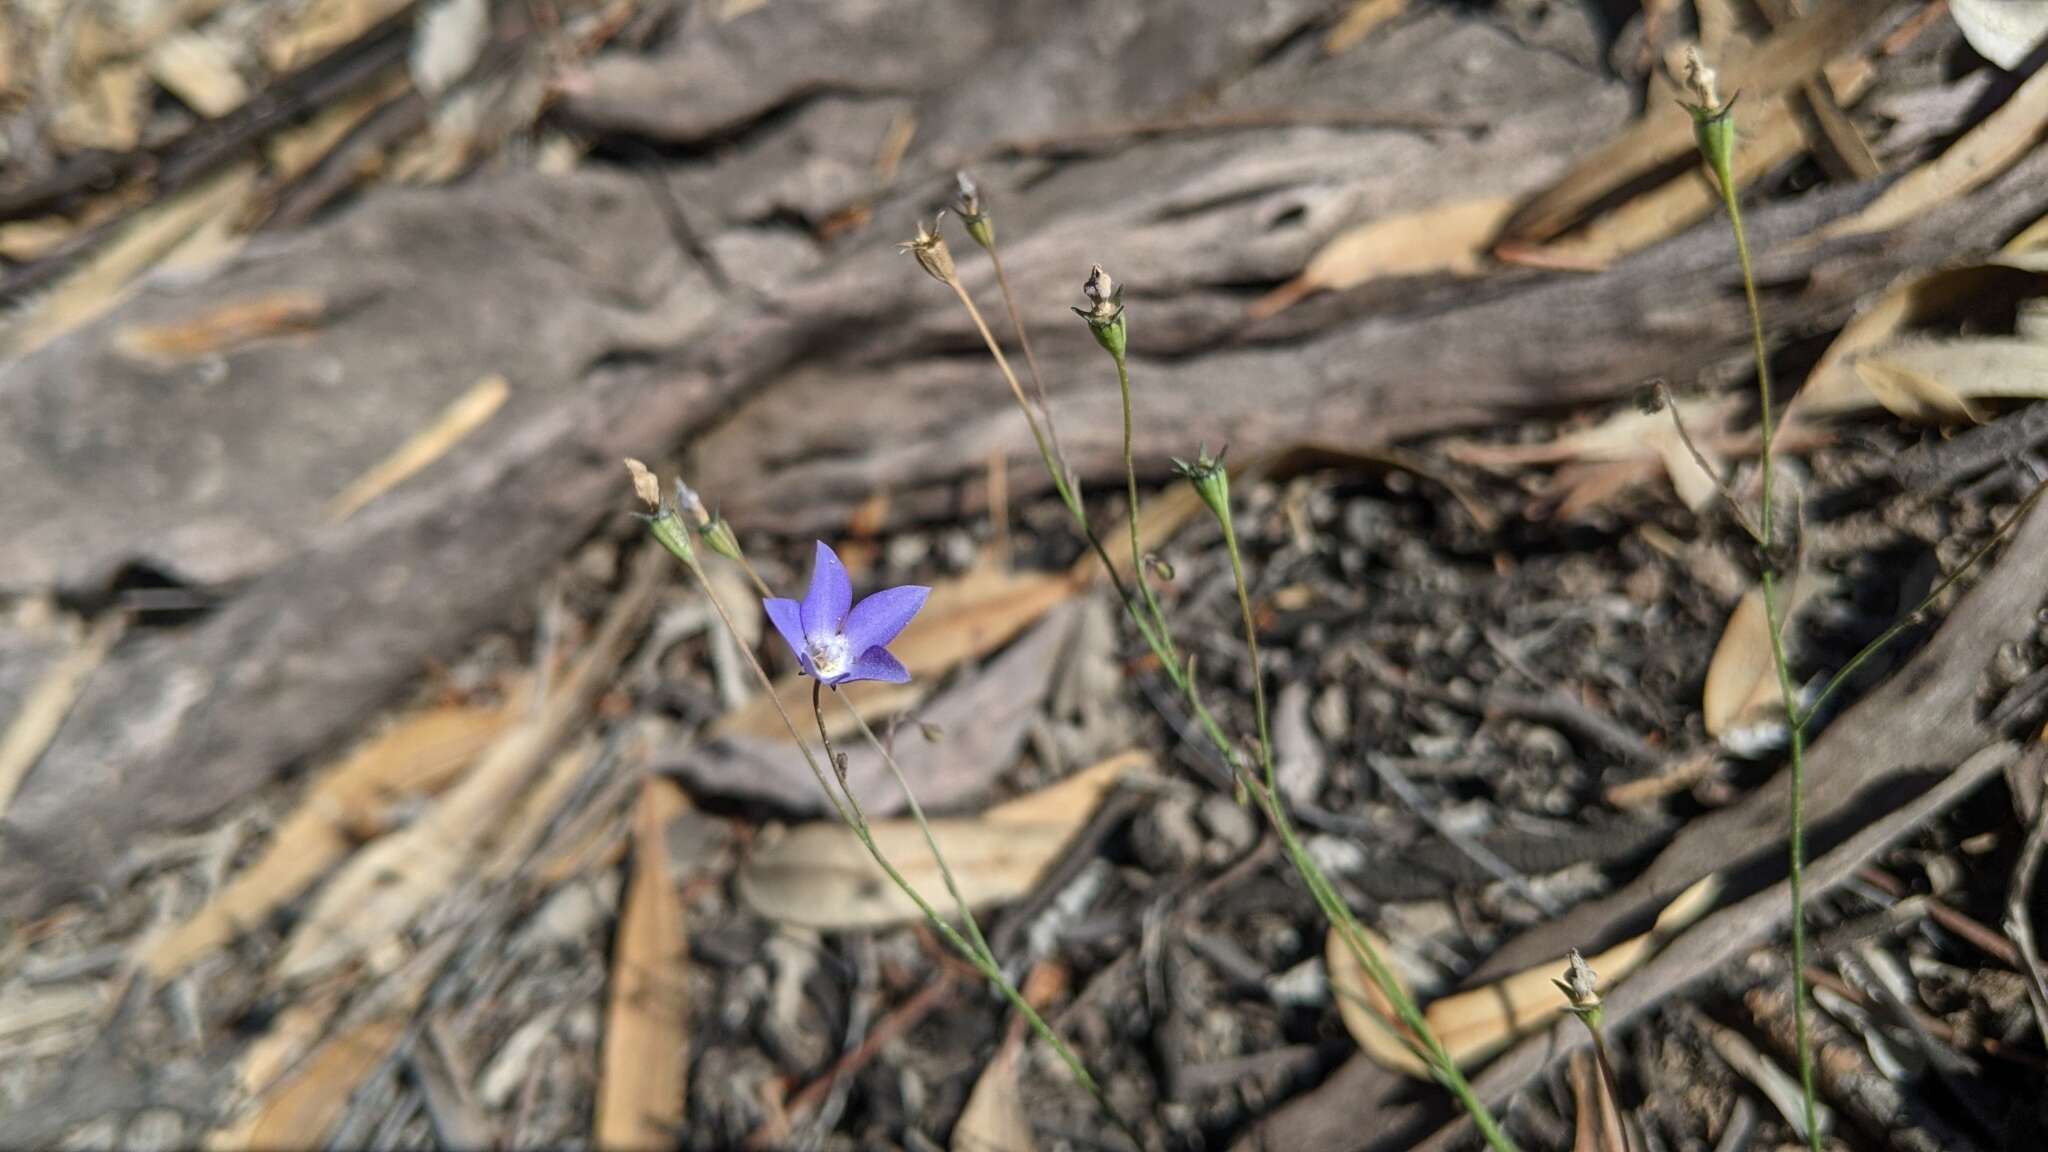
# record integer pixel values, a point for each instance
(1052, 431)
(848, 808)
(1719, 158)
(1055, 464)
(1152, 626)
(1325, 894)
(1123, 383)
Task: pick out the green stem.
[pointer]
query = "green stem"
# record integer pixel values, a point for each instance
(1724, 174)
(853, 817)
(1251, 643)
(917, 814)
(1325, 894)
(1123, 383)
(976, 951)
(1052, 431)
(1158, 636)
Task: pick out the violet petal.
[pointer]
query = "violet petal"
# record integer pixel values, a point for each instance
(787, 616)
(878, 619)
(877, 664)
(830, 595)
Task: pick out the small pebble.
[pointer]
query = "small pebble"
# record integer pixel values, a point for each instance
(1165, 837)
(1232, 827)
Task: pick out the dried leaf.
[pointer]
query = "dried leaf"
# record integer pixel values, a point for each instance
(152, 236)
(469, 412)
(819, 876)
(1596, 1124)
(1480, 1022)
(1742, 678)
(1743, 671)
(1364, 18)
(42, 711)
(1443, 238)
(1941, 381)
(2002, 31)
(1664, 135)
(1985, 151)
(384, 887)
(224, 328)
(415, 757)
(293, 152)
(995, 1119)
(198, 71)
(1630, 436)
(33, 239)
(322, 26)
(101, 107)
(306, 1103)
(646, 1041)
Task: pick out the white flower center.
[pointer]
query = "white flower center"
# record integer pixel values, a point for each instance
(830, 656)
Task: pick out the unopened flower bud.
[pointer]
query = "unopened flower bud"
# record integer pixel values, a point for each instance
(1581, 987)
(1713, 129)
(1105, 311)
(931, 252)
(1161, 570)
(669, 530)
(688, 503)
(719, 537)
(1211, 482)
(967, 202)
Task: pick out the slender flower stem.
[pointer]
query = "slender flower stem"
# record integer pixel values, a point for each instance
(1432, 1051)
(847, 805)
(1052, 432)
(1251, 643)
(1720, 159)
(916, 814)
(1055, 464)
(1152, 626)
(1123, 383)
(976, 951)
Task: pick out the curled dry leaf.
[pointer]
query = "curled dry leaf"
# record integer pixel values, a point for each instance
(819, 876)
(1479, 1022)
(1742, 678)
(1442, 238)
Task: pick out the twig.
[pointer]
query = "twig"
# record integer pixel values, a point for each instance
(1478, 853)
(2019, 915)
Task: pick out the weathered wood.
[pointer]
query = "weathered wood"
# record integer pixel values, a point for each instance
(632, 315)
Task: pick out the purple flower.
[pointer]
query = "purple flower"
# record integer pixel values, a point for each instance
(839, 641)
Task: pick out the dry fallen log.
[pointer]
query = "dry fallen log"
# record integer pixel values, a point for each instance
(629, 314)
